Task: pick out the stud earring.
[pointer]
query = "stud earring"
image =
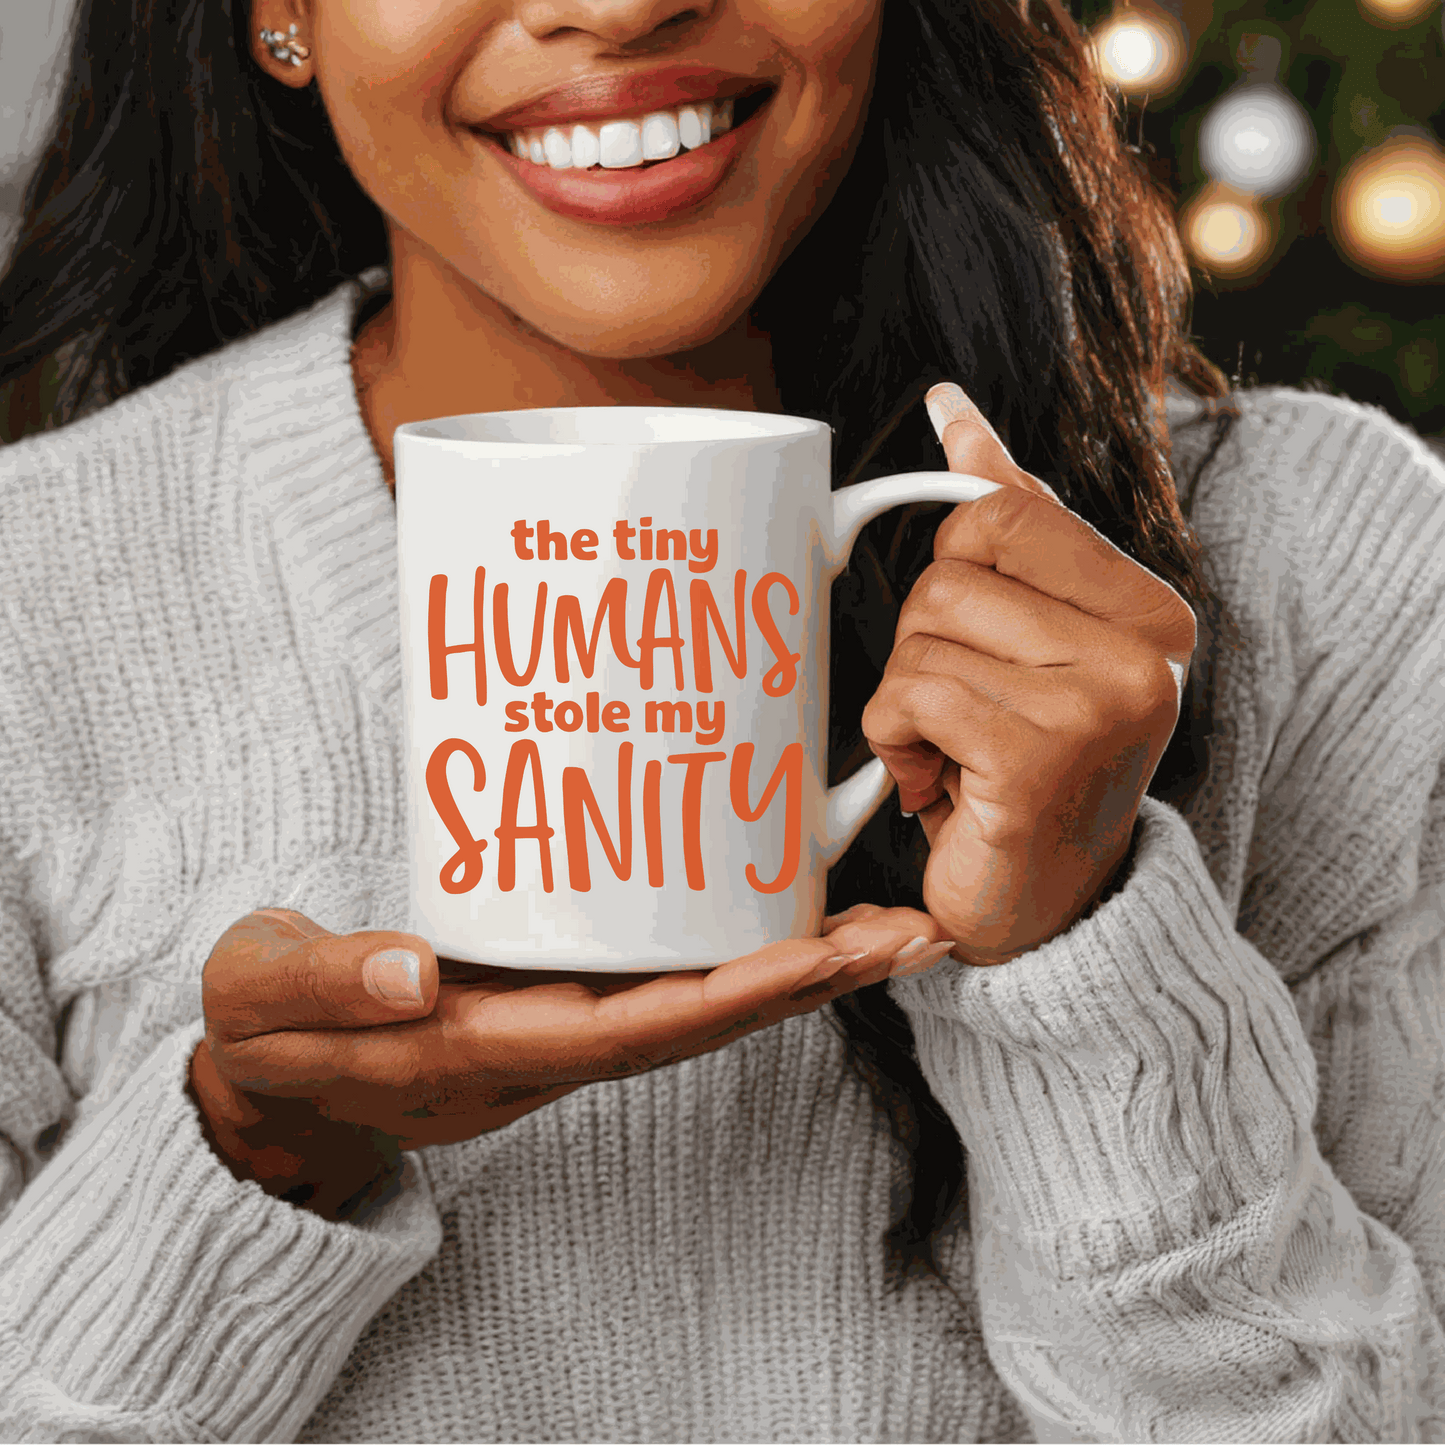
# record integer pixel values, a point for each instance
(285, 47)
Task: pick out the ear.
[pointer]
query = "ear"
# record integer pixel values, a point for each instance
(281, 42)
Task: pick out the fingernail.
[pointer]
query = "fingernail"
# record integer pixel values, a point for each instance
(393, 975)
(922, 961)
(835, 964)
(911, 950)
(948, 403)
(945, 403)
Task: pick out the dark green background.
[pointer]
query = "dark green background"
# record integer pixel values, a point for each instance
(1311, 316)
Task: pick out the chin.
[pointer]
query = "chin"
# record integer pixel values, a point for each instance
(630, 344)
(609, 332)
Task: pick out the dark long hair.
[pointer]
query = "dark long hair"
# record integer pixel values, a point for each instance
(993, 229)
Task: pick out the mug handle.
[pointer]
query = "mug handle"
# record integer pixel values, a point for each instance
(854, 801)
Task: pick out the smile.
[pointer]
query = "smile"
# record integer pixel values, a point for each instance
(629, 168)
(623, 143)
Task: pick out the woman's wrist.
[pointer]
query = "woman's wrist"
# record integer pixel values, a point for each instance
(1118, 875)
(290, 1149)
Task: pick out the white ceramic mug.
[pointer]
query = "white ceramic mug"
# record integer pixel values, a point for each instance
(615, 648)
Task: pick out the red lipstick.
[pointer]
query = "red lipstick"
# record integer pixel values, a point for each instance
(632, 195)
(603, 96)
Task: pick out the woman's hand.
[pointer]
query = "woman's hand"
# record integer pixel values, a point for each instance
(1034, 682)
(326, 1054)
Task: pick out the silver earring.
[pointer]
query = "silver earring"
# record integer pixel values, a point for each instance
(285, 47)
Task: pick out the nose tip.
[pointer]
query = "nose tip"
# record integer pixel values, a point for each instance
(618, 22)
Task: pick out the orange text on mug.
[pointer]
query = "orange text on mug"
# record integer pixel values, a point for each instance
(615, 680)
(688, 650)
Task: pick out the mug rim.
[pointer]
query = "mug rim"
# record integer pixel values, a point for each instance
(762, 426)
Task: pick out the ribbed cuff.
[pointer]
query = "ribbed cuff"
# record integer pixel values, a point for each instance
(142, 1279)
(1130, 1082)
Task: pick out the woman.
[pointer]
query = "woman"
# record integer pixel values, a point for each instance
(272, 1171)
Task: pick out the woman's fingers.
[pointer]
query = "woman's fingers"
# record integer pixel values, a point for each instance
(971, 444)
(908, 938)
(1059, 555)
(1028, 609)
(516, 1041)
(854, 914)
(1049, 548)
(275, 970)
(1017, 732)
(939, 702)
(996, 615)
(677, 1015)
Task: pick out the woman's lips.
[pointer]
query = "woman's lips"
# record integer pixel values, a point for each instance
(656, 192)
(602, 96)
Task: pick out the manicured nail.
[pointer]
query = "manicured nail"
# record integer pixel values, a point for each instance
(393, 975)
(911, 950)
(948, 403)
(945, 404)
(834, 965)
(922, 961)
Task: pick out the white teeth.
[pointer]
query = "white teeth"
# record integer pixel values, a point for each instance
(659, 136)
(586, 151)
(623, 143)
(558, 149)
(694, 125)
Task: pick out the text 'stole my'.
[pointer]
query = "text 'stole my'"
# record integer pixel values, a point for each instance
(561, 638)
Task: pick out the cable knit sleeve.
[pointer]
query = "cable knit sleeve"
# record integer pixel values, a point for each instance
(1207, 1139)
(145, 1293)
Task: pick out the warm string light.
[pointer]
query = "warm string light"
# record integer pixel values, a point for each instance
(1140, 51)
(1389, 209)
(1396, 13)
(1256, 142)
(1227, 232)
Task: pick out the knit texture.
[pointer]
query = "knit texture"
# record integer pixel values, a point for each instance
(1205, 1126)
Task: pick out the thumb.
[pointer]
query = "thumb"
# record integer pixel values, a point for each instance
(972, 445)
(276, 970)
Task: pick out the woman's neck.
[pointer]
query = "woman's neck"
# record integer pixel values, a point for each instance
(440, 347)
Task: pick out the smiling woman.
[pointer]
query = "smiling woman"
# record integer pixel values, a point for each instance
(422, 101)
(1152, 927)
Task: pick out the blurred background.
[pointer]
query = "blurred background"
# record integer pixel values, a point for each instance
(1303, 139)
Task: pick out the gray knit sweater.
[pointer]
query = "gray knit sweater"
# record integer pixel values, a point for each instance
(1205, 1126)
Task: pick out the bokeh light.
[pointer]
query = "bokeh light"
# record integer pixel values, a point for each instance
(1257, 138)
(1227, 232)
(1396, 13)
(1389, 209)
(1140, 51)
